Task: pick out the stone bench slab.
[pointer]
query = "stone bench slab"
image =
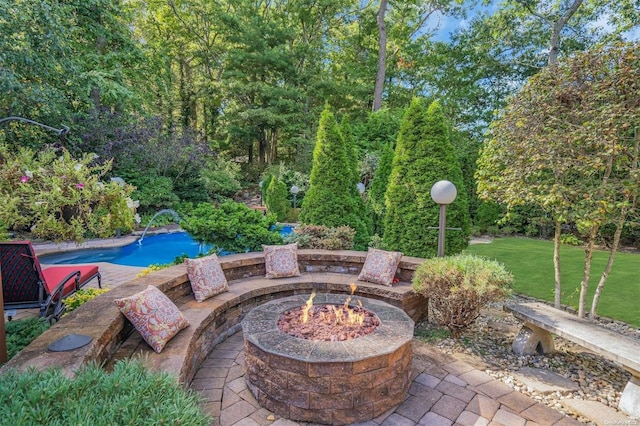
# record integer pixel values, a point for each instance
(614, 346)
(541, 320)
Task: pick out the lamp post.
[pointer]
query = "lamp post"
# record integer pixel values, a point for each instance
(443, 193)
(294, 190)
(260, 185)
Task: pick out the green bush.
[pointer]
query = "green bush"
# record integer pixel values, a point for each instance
(488, 215)
(277, 202)
(458, 286)
(129, 395)
(221, 178)
(322, 237)
(265, 184)
(152, 191)
(22, 332)
(232, 227)
(188, 185)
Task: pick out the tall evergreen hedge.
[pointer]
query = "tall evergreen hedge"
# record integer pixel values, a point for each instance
(353, 157)
(376, 196)
(423, 156)
(332, 198)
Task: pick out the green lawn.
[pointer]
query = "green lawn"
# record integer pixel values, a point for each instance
(531, 262)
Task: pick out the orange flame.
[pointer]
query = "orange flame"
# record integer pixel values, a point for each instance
(307, 309)
(353, 288)
(336, 314)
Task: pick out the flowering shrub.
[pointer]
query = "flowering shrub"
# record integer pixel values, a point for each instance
(58, 197)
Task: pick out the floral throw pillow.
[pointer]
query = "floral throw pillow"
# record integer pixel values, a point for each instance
(206, 277)
(281, 261)
(380, 266)
(154, 315)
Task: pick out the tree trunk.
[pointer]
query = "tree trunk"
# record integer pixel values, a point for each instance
(554, 45)
(262, 151)
(607, 269)
(556, 265)
(382, 57)
(273, 147)
(584, 285)
(628, 198)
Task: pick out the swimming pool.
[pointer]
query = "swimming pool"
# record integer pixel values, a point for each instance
(155, 249)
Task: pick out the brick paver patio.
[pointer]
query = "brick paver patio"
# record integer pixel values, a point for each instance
(444, 391)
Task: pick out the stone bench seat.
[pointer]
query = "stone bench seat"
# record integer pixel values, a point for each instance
(540, 320)
(211, 321)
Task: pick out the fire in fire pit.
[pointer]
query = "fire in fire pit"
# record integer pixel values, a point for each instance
(328, 322)
(331, 382)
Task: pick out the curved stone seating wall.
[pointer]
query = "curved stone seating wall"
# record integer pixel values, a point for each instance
(215, 319)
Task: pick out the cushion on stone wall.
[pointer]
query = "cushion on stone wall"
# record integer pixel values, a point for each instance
(154, 315)
(281, 261)
(206, 277)
(380, 266)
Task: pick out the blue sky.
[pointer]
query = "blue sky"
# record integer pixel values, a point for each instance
(447, 25)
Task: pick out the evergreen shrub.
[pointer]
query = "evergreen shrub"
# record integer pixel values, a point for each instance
(232, 227)
(332, 199)
(130, 395)
(423, 156)
(277, 201)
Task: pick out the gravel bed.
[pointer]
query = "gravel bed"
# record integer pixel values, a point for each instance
(487, 344)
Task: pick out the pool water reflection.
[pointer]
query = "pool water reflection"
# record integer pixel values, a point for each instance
(155, 249)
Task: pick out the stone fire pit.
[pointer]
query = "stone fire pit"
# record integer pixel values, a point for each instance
(328, 382)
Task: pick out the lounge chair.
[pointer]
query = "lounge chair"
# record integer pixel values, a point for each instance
(25, 285)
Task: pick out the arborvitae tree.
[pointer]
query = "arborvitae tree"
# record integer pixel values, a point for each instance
(332, 196)
(379, 187)
(353, 155)
(352, 150)
(423, 156)
(277, 201)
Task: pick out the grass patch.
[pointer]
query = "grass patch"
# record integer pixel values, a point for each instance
(531, 262)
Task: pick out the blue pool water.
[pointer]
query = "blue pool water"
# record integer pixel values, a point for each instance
(155, 249)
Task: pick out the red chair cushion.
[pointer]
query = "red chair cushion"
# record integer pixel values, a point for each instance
(54, 274)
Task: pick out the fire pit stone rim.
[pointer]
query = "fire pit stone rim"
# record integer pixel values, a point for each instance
(260, 328)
